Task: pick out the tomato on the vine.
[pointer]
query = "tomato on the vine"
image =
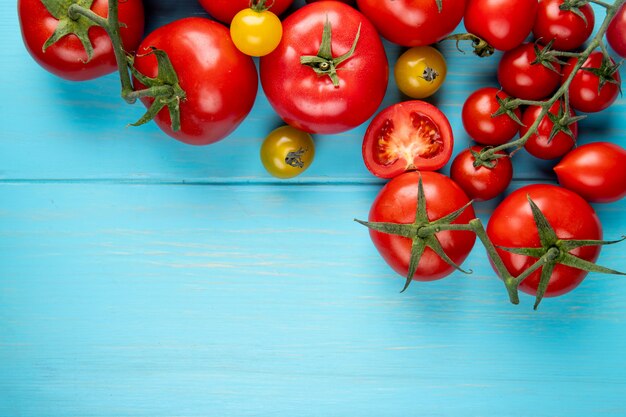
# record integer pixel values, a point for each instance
(256, 32)
(407, 136)
(68, 57)
(287, 152)
(595, 86)
(481, 181)
(479, 120)
(616, 32)
(568, 29)
(420, 71)
(550, 142)
(225, 10)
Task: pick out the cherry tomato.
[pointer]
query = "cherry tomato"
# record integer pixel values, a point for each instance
(407, 136)
(225, 10)
(585, 93)
(67, 58)
(220, 82)
(512, 225)
(616, 32)
(343, 1)
(481, 182)
(479, 123)
(521, 77)
(596, 171)
(566, 28)
(539, 144)
(413, 22)
(287, 152)
(397, 203)
(329, 94)
(503, 24)
(420, 71)
(256, 33)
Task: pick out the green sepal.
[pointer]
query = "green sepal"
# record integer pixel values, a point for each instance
(507, 108)
(547, 235)
(606, 73)
(417, 250)
(544, 280)
(79, 26)
(439, 5)
(546, 57)
(568, 245)
(562, 121)
(570, 260)
(489, 162)
(574, 7)
(532, 252)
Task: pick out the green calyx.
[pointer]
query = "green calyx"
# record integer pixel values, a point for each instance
(422, 233)
(547, 57)
(562, 122)
(486, 158)
(574, 7)
(507, 106)
(323, 63)
(481, 46)
(260, 6)
(606, 73)
(69, 23)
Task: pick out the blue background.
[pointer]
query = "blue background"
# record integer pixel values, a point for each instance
(143, 277)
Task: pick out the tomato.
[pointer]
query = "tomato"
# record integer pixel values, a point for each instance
(478, 121)
(256, 33)
(521, 76)
(397, 203)
(225, 10)
(336, 89)
(220, 82)
(596, 171)
(616, 32)
(567, 28)
(413, 22)
(585, 93)
(67, 58)
(539, 144)
(407, 136)
(420, 71)
(504, 24)
(287, 152)
(343, 1)
(481, 182)
(512, 225)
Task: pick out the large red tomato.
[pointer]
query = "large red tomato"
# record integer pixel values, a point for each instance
(397, 203)
(567, 28)
(326, 95)
(219, 81)
(225, 10)
(616, 32)
(413, 22)
(67, 57)
(512, 225)
(585, 93)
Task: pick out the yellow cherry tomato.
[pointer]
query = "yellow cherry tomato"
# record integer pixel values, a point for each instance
(256, 33)
(420, 71)
(287, 152)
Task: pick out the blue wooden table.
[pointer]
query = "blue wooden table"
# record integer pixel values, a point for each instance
(143, 277)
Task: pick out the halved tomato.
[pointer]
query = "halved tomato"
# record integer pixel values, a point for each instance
(407, 136)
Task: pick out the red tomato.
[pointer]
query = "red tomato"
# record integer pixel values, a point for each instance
(413, 22)
(220, 82)
(596, 171)
(568, 29)
(584, 92)
(343, 1)
(407, 136)
(481, 183)
(225, 10)
(67, 58)
(479, 123)
(519, 77)
(616, 32)
(504, 24)
(397, 203)
(512, 226)
(312, 102)
(539, 144)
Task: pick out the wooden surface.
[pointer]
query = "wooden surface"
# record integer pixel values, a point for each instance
(143, 277)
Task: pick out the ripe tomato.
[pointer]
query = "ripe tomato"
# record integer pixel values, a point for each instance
(478, 121)
(596, 171)
(522, 77)
(343, 1)
(539, 144)
(328, 94)
(67, 57)
(256, 33)
(585, 93)
(567, 28)
(287, 152)
(481, 182)
(220, 82)
(225, 10)
(407, 136)
(420, 71)
(413, 22)
(504, 24)
(512, 225)
(397, 203)
(616, 32)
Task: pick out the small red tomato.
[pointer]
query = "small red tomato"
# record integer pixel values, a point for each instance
(596, 171)
(568, 29)
(521, 76)
(343, 1)
(407, 136)
(585, 93)
(479, 122)
(539, 144)
(616, 32)
(481, 182)
(225, 10)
